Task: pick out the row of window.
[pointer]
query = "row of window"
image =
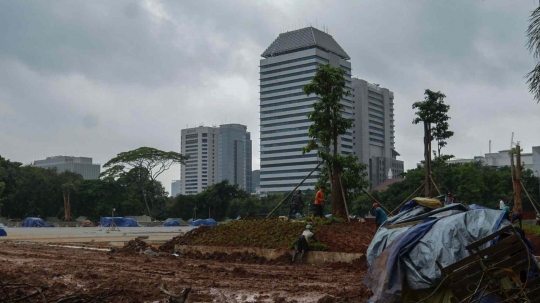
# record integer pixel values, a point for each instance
(288, 178)
(192, 136)
(376, 135)
(376, 105)
(376, 140)
(287, 82)
(285, 185)
(290, 68)
(283, 96)
(372, 110)
(346, 139)
(346, 146)
(192, 141)
(294, 60)
(281, 90)
(297, 115)
(289, 102)
(312, 71)
(284, 130)
(286, 109)
(345, 68)
(288, 171)
(289, 164)
(284, 143)
(288, 123)
(284, 137)
(376, 128)
(310, 155)
(376, 117)
(376, 123)
(375, 95)
(290, 150)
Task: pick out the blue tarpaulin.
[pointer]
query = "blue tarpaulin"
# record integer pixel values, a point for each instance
(476, 206)
(171, 223)
(207, 222)
(3, 232)
(118, 221)
(35, 222)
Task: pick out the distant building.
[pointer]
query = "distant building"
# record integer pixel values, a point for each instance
(216, 154)
(79, 165)
(255, 181)
(502, 158)
(374, 131)
(176, 188)
(235, 155)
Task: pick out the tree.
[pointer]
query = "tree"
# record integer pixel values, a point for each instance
(533, 44)
(148, 163)
(70, 184)
(328, 125)
(217, 197)
(433, 114)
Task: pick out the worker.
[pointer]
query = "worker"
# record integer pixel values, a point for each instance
(449, 199)
(380, 215)
(506, 209)
(501, 204)
(517, 217)
(296, 203)
(302, 244)
(538, 219)
(319, 202)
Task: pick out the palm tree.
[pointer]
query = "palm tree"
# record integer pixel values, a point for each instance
(533, 34)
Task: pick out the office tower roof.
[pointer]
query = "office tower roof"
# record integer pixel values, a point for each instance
(304, 38)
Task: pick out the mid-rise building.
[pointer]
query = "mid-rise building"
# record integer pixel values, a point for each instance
(288, 64)
(201, 170)
(176, 188)
(502, 158)
(216, 154)
(79, 165)
(374, 131)
(235, 155)
(255, 181)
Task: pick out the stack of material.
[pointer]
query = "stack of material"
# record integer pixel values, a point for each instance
(404, 253)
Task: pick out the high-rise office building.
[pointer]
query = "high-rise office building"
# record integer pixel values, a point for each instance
(79, 165)
(235, 155)
(201, 144)
(216, 154)
(374, 131)
(176, 188)
(289, 63)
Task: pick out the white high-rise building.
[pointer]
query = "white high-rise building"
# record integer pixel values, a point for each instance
(216, 154)
(201, 144)
(79, 165)
(289, 63)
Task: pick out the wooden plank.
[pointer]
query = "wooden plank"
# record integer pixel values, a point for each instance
(512, 261)
(459, 264)
(483, 241)
(506, 242)
(534, 294)
(505, 253)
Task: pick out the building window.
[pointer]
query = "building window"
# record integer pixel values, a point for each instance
(205, 135)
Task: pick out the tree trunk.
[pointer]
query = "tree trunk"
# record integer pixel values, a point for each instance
(65, 206)
(338, 206)
(145, 202)
(68, 209)
(518, 207)
(427, 162)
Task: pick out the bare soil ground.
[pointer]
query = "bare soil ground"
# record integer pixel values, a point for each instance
(137, 276)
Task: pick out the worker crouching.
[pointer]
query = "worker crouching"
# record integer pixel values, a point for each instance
(302, 244)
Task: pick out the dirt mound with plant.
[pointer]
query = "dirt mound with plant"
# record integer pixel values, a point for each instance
(351, 237)
(135, 247)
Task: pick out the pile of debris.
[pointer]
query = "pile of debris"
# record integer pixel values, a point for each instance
(136, 246)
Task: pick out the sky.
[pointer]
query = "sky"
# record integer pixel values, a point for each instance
(96, 78)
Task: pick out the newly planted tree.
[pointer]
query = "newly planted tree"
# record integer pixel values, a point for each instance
(433, 114)
(328, 124)
(147, 162)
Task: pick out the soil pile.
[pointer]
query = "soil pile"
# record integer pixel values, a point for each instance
(136, 246)
(351, 237)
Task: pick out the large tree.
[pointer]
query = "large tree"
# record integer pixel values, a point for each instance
(148, 163)
(328, 125)
(533, 35)
(433, 114)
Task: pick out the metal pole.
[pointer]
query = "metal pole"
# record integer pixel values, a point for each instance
(286, 197)
(376, 200)
(344, 200)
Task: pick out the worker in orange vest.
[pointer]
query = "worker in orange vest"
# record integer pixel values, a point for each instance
(319, 202)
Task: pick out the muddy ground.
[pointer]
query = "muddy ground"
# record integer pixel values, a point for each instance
(136, 277)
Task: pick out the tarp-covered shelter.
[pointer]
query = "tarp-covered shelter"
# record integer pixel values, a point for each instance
(403, 255)
(118, 221)
(206, 222)
(171, 223)
(2, 232)
(35, 222)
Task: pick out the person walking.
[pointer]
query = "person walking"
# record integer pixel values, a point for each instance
(380, 215)
(296, 204)
(319, 202)
(302, 244)
(501, 204)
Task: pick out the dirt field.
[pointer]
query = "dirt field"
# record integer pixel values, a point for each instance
(136, 277)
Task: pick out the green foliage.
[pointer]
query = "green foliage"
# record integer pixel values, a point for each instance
(328, 125)
(144, 164)
(533, 229)
(533, 44)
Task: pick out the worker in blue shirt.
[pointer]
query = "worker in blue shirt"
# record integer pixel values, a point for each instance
(380, 215)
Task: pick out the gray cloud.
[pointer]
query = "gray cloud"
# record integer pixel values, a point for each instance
(100, 77)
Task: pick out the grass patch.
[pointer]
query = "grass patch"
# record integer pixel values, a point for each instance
(532, 229)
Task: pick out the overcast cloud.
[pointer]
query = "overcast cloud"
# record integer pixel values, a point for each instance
(95, 78)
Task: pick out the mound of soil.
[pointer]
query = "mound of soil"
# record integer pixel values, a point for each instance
(135, 247)
(350, 237)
